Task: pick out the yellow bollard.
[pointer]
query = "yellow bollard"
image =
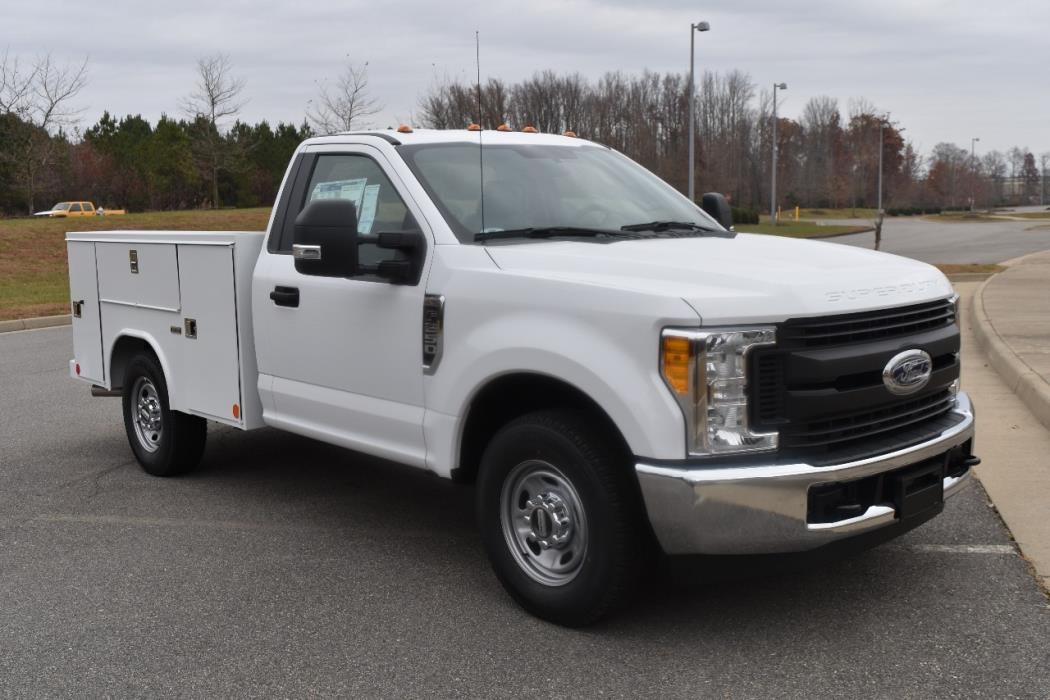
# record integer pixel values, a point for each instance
(796, 212)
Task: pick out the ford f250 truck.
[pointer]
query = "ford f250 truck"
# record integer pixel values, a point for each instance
(615, 369)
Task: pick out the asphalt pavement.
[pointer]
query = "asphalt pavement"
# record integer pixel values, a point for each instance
(956, 242)
(288, 567)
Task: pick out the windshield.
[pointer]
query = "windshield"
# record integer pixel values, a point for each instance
(61, 206)
(544, 186)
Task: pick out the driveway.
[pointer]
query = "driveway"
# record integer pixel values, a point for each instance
(287, 567)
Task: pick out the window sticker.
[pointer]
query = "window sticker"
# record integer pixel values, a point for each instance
(352, 190)
(368, 209)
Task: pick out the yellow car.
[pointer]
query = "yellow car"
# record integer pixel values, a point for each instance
(67, 209)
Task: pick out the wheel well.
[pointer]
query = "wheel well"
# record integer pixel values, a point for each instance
(124, 350)
(510, 396)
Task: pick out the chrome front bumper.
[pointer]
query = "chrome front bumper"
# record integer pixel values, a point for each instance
(762, 508)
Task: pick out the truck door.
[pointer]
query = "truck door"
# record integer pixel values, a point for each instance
(340, 359)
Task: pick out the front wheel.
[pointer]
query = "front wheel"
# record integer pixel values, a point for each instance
(165, 442)
(560, 517)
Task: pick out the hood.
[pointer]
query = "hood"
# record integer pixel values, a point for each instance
(751, 278)
(49, 212)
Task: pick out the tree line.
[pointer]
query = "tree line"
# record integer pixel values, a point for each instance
(205, 156)
(827, 158)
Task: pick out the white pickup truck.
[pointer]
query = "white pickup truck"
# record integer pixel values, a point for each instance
(616, 369)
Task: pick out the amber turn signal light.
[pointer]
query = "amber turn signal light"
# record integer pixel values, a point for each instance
(674, 362)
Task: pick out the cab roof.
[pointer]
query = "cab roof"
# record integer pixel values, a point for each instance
(488, 136)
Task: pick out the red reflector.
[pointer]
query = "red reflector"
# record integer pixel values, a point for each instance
(236, 411)
(77, 368)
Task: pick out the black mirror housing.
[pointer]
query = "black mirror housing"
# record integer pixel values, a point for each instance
(325, 240)
(715, 204)
(412, 246)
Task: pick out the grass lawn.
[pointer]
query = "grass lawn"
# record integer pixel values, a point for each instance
(980, 268)
(34, 278)
(800, 229)
(962, 217)
(847, 213)
(1030, 215)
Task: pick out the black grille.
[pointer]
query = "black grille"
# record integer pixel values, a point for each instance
(769, 384)
(821, 386)
(867, 325)
(866, 424)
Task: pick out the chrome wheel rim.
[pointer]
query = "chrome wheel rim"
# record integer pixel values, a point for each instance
(148, 417)
(543, 523)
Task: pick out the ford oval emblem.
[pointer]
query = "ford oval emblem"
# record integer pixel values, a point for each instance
(907, 372)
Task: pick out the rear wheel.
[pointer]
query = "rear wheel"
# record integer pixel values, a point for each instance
(165, 442)
(560, 517)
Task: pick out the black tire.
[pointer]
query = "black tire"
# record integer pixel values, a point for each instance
(177, 446)
(611, 557)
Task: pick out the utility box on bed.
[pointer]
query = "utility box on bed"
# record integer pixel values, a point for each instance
(180, 293)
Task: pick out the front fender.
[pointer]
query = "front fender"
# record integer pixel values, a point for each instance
(613, 365)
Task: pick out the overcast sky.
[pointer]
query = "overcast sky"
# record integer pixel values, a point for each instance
(945, 70)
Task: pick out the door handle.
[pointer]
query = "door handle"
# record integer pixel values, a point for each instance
(285, 296)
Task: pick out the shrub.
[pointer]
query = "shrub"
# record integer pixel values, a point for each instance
(743, 215)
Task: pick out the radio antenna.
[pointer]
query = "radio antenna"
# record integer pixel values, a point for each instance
(481, 150)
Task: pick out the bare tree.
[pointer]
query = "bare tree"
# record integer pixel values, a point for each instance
(215, 99)
(345, 106)
(993, 165)
(1044, 160)
(37, 103)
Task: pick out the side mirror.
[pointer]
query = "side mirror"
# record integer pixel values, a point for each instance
(716, 205)
(408, 268)
(325, 240)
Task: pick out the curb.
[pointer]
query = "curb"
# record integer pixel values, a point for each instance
(28, 324)
(1025, 382)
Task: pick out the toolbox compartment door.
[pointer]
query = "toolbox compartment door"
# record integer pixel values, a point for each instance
(83, 291)
(209, 355)
(143, 275)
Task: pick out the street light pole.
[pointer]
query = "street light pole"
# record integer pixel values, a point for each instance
(698, 27)
(973, 170)
(773, 187)
(882, 125)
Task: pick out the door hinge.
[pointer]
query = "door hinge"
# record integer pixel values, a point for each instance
(78, 308)
(191, 328)
(133, 259)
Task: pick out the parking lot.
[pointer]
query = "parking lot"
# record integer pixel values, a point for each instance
(287, 567)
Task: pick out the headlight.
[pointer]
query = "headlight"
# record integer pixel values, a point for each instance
(707, 373)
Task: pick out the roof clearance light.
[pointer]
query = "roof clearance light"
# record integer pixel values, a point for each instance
(503, 127)
(474, 127)
(404, 129)
(570, 134)
(530, 129)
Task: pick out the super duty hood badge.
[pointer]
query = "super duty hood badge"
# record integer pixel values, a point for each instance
(907, 372)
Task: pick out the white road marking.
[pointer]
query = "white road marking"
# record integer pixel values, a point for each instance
(163, 522)
(958, 548)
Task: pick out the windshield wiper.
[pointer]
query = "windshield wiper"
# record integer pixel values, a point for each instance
(660, 226)
(549, 232)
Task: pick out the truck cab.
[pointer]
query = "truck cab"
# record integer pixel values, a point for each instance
(612, 367)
